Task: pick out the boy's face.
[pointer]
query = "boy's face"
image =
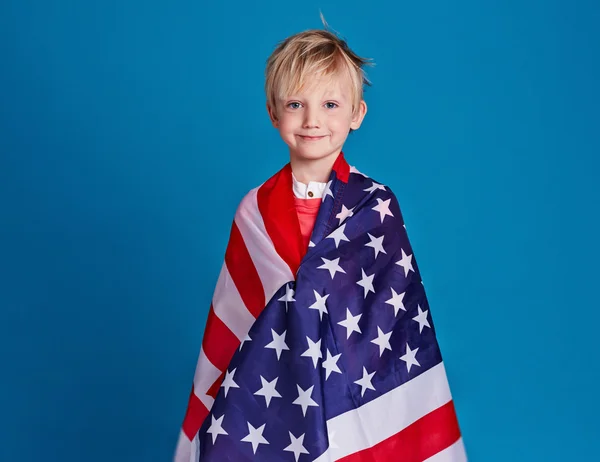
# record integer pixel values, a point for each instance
(315, 122)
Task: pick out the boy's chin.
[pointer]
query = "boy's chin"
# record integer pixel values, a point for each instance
(307, 155)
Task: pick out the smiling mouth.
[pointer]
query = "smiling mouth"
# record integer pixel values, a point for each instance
(311, 138)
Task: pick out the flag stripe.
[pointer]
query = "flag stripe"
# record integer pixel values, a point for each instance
(454, 453)
(272, 270)
(219, 343)
(231, 310)
(408, 445)
(244, 274)
(205, 376)
(388, 414)
(194, 416)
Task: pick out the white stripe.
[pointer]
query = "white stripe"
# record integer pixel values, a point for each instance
(187, 451)
(387, 415)
(183, 451)
(229, 306)
(454, 453)
(204, 378)
(272, 270)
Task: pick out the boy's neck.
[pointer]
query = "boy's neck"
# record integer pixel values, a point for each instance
(307, 170)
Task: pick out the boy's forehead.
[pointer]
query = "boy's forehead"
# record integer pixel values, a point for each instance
(330, 85)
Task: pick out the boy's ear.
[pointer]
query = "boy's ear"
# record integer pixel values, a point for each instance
(359, 115)
(273, 116)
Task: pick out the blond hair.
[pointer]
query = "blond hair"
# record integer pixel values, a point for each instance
(312, 53)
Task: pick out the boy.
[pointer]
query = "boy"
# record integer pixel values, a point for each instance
(319, 345)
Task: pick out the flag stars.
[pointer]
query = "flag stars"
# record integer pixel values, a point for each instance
(421, 318)
(278, 344)
(296, 446)
(228, 381)
(314, 351)
(246, 339)
(406, 263)
(338, 235)
(351, 323)
(396, 301)
(376, 243)
(216, 428)
(304, 400)
(319, 304)
(255, 436)
(330, 364)
(344, 213)
(365, 382)
(332, 266)
(289, 295)
(383, 340)
(268, 390)
(327, 191)
(366, 283)
(410, 357)
(383, 207)
(374, 187)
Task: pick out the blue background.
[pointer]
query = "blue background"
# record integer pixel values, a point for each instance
(129, 131)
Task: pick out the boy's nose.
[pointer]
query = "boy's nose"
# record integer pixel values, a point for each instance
(311, 118)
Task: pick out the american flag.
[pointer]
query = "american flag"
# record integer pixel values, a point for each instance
(322, 355)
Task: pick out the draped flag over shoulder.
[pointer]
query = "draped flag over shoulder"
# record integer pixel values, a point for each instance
(320, 354)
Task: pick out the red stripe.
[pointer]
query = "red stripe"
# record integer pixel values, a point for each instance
(194, 416)
(424, 438)
(341, 168)
(276, 205)
(219, 343)
(244, 274)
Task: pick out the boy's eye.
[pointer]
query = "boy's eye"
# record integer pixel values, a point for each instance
(294, 105)
(330, 105)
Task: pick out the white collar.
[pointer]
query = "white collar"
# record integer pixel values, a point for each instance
(312, 190)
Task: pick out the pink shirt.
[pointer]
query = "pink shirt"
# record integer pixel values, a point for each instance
(307, 210)
(307, 198)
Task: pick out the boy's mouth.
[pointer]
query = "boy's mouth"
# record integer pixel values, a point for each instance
(311, 138)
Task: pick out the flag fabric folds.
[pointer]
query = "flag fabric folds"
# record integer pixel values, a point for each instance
(320, 354)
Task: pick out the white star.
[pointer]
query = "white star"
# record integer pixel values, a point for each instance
(216, 428)
(374, 187)
(406, 263)
(353, 169)
(314, 351)
(246, 339)
(332, 265)
(319, 305)
(228, 381)
(304, 399)
(278, 344)
(383, 207)
(350, 323)
(268, 390)
(344, 213)
(365, 381)
(338, 235)
(311, 244)
(366, 282)
(330, 364)
(289, 295)
(376, 243)
(296, 446)
(421, 318)
(255, 436)
(327, 191)
(410, 357)
(396, 301)
(383, 340)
